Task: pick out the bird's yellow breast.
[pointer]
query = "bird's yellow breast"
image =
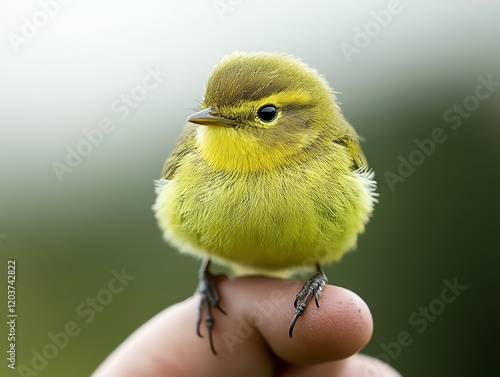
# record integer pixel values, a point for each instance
(275, 218)
(225, 148)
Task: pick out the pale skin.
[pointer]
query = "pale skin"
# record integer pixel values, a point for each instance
(252, 339)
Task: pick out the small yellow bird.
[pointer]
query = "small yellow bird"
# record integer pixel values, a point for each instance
(267, 178)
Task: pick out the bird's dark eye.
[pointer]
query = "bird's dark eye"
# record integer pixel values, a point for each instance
(267, 113)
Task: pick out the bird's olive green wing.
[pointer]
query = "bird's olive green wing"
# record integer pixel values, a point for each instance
(351, 142)
(358, 157)
(184, 144)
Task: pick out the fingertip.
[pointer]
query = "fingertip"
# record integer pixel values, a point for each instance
(339, 328)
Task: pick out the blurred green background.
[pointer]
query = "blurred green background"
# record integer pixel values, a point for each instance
(396, 85)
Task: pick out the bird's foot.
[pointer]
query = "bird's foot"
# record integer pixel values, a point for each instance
(209, 299)
(313, 287)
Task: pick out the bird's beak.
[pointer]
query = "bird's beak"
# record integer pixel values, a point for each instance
(209, 117)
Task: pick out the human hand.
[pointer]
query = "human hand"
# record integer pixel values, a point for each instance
(252, 339)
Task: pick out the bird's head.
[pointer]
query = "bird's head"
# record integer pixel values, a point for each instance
(261, 109)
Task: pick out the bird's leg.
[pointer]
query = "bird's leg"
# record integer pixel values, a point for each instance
(314, 286)
(209, 298)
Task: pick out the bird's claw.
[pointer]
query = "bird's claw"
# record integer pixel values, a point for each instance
(209, 298)
(313, 287)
